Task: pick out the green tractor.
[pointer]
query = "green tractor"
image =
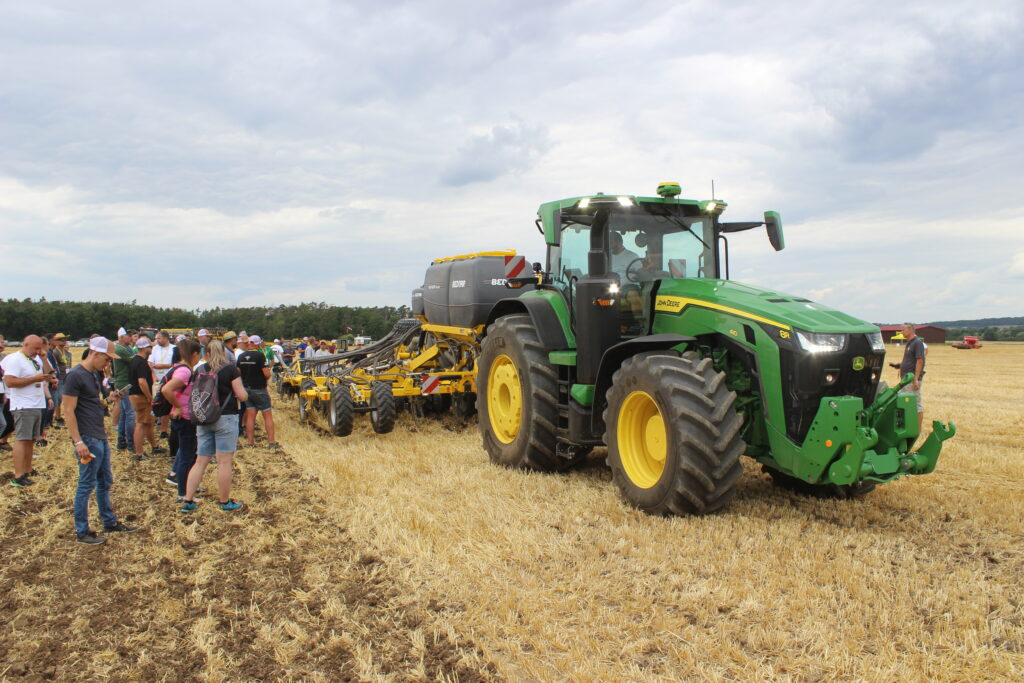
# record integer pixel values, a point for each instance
(635, 338)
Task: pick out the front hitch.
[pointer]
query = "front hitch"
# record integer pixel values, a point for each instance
(924, 459)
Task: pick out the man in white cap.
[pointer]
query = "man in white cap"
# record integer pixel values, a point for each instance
(204, 339)
(28, 386)
(122, 412)
(278, 354)
(83, 414)
(141, 396)
(252, 365)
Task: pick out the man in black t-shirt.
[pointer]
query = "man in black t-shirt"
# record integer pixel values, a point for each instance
(83, 413)
(252, 365)
(140, 375)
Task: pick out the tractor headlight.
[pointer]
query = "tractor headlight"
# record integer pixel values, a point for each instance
(875, 339)
(821, 342)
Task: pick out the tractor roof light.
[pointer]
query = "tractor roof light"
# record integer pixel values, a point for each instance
(602, 199)
(714, 207)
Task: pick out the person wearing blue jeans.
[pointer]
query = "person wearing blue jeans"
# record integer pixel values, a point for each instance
(84, 418)
(176, 388)
(96, 474)
(126, 424)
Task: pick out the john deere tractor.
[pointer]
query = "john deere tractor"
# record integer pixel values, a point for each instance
(635, 338)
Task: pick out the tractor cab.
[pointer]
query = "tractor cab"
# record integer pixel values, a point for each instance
(635, 243)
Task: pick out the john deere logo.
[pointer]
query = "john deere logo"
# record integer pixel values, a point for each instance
(858, 363)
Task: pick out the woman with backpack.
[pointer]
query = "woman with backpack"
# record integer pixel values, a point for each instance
(218, 399)
(177, 386)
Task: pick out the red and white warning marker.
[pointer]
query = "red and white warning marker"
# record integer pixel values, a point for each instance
(431, 384)
(515, 266)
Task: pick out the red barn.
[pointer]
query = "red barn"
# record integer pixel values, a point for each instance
(930, 333)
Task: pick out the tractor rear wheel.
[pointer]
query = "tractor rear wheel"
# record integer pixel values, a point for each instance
(341, 411)
(382, 407)
(673, 434)
(516, 397)
(303, 402)
(840, 491)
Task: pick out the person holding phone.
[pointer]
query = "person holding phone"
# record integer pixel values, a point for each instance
(84, 417)
(28, 386)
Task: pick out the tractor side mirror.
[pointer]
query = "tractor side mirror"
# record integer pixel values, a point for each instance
(773, 225)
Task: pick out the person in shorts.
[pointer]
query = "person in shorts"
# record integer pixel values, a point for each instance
(161, 359)
(219, 439)
(913, 361)
(140, 376)
(255, 372)
(60, 360)
(28, 389)
(84, 417)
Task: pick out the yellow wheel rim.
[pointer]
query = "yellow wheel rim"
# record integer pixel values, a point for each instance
(642, 439)
(504, 399)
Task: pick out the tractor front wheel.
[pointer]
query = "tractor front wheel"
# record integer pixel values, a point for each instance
(516, 397)
(382, 407)
(673, 434)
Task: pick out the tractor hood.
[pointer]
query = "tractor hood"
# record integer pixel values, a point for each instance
(758, 304)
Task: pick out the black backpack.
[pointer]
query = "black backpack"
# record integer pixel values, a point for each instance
(204, 402)
(161, 406)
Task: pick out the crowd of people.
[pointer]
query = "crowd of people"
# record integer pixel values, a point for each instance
(140, 382)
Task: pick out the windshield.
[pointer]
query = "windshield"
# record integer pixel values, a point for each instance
(641, 247)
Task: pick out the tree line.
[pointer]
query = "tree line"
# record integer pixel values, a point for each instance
(79, 319)
(990, 333)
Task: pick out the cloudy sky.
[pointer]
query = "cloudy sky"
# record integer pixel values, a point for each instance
(198, 154)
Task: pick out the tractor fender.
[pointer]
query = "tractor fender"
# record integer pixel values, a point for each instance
(616, 355)
(550, 329)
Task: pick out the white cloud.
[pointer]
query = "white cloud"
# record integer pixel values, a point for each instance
(331, 151)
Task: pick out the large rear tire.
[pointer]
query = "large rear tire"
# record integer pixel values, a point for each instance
(341, 412)
(673, 434)
(382, 407)
(516, 397)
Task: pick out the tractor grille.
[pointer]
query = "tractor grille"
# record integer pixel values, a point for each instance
(804, 378)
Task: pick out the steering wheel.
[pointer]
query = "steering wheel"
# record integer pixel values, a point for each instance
(635, 271)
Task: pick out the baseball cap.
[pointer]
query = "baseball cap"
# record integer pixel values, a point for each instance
(102, 345)
(255, 339)
(179, 338)
(143, 343)
(277, 341)
(203, 333)
(121, 332)
(229, 335)
(305, 339)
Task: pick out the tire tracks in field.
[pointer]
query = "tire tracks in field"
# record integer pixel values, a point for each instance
(278, 591)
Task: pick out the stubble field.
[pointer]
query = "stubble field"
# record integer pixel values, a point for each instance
(408, 557)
